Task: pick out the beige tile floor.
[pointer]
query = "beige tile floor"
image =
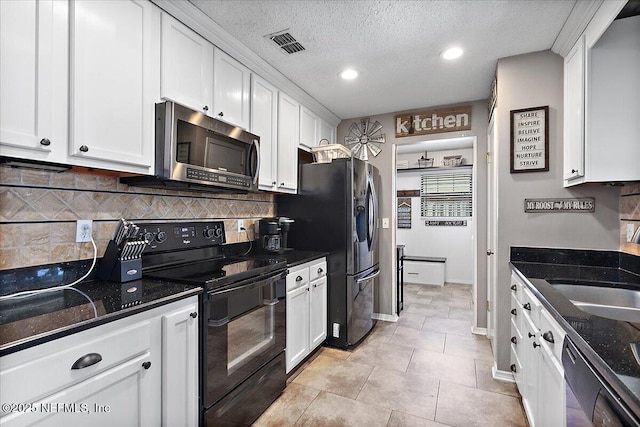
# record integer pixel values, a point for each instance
(427, 369)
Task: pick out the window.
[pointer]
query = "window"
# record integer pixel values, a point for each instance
(446, 194)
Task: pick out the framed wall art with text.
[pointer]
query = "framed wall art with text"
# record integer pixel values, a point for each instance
(530, 140)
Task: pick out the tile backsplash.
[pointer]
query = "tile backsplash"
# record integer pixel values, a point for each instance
(38, 211)
(629, 214)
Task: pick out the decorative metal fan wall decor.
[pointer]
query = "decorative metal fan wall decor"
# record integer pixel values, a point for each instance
(364, 138)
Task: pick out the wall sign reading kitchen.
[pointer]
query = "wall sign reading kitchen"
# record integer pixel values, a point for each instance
(440, 120)
(530, 140)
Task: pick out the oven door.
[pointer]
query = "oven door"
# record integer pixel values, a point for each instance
(243, 329)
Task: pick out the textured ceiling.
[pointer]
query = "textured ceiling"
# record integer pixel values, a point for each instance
(394, 44)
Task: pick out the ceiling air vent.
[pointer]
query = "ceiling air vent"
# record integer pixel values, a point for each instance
(286, 42)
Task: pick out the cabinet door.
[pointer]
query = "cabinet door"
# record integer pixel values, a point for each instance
(230, 90)
(288, 135)
(574, 112)
(264, 123)
(318, 312)
(327, 132)
(309, 127)
(297, 326)
(551, 393)
(186, 66)
(180, 367)
(117, 397)
(530, 367)
(33, 79)
(115, 57)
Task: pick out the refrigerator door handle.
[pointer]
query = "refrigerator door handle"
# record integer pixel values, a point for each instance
(373, 224)
(369, 277)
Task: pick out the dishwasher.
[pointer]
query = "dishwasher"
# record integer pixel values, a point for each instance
(590, 401)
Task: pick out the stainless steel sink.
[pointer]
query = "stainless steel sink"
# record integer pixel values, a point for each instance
(610, 302)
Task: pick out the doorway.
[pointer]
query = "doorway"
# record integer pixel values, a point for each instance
(452, 232)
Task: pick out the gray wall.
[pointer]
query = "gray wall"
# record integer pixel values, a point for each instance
(533, 80)
(384, 162)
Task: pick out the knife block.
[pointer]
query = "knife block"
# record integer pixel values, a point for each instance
(113, 269)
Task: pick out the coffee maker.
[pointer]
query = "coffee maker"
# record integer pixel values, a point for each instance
(272, 234)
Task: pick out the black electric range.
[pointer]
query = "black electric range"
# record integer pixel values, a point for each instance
(242, 316)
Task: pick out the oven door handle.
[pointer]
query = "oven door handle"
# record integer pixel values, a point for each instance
(254, 281)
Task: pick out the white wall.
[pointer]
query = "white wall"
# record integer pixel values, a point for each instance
(452, 242)
(533, 80)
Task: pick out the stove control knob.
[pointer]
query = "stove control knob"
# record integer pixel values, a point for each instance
(209, 233)
(148, 236)
(218, 232)
(161, 236)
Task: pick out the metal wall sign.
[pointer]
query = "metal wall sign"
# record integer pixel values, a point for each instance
(440, 120)
(457, 223)
(585, 204)
(530, 140)
(404, 212)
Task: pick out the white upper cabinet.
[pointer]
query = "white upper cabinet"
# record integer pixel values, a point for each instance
(186, 66)
(601, 102)
(288, 135)
(33, 79)
(230, 90)
(264, 123)
(309, 128)
(574, 112)
(115, 81)
(327, 132)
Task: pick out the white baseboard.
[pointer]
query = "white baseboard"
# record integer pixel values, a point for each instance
(460, 282)
(385, 317)
(478, 331)
(505, 376)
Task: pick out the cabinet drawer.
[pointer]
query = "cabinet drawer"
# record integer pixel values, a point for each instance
(298, 277)
(516, 369)
(531, 305)
(425, 273)
(550, 330)
(50, 365)
(318, 269)
(516, 288)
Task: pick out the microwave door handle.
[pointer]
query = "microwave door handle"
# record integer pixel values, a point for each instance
(256, 145)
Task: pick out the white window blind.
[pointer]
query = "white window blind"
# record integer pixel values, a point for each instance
(446, 194)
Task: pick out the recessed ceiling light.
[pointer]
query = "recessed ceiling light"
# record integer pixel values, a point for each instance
(452, 53)
(349, 74)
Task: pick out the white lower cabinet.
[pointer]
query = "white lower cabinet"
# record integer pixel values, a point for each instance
(536, 347)
(306, 310)
(108, 375)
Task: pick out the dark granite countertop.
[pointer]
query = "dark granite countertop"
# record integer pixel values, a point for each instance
(34, 319)
(606, 343)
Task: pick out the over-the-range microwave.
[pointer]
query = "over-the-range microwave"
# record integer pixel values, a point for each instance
(197, 152)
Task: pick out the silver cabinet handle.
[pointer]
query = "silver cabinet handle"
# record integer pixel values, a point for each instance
(299, 279)
(320, 270)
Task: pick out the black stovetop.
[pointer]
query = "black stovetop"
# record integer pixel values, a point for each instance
(213, 273)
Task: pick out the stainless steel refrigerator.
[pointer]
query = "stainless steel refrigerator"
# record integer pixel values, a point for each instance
(336, 210)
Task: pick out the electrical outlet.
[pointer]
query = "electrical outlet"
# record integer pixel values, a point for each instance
(385, 222)
(83, 230)
(240, 225)
(336, 330)
(629, 232)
